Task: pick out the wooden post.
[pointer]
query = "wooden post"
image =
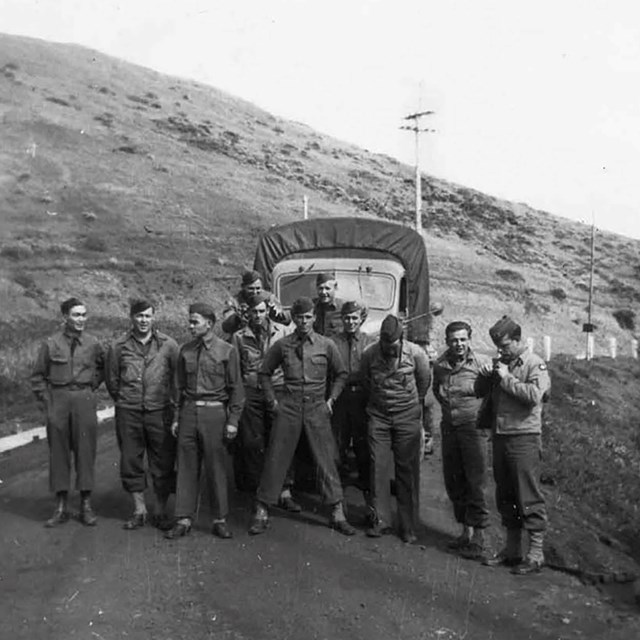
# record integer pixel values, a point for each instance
(613, 347)
(589, 352)
(305, 207)
(547, 347)
(634, 349)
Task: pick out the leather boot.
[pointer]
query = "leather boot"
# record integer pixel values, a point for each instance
(535, 556)
(475, 549)
(339, 522)
(260, 520)
(511, 554)
(87, 516)
(463, 539)
(61, 514)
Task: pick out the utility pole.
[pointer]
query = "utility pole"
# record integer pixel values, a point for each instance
(588, 327)
(414, 118)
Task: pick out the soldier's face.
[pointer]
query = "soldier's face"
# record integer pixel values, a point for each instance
(351, 321)
(143, 322)
(390, 349)
(199, 325)
(253, 289)
(76, 318)
(304, 322)
(458, 343)
(327, 291)
(258, 314)
(508, 348)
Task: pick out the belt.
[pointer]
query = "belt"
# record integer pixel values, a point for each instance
(354, 387)
(207, 403)
(72, 387)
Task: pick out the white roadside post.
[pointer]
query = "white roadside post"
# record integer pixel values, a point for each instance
(613, 347)
(530, 344)
(634, 349)
(589, 346)
(546, 341)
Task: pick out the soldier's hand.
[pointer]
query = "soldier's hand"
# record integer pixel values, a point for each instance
(329, 404)
(501, 369)
(174, 428)
(274, 406)
(230, 432)
(486, 369)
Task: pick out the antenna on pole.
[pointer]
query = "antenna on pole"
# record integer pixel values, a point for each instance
(415, 118)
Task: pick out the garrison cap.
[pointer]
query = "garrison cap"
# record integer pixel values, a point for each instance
(68, 304)
(204, 309)
(352, 306)
(504, 327)
(391, 329)
(258, 298)
(249, 277)
(321, 278)
(139, 305)
(301, 305)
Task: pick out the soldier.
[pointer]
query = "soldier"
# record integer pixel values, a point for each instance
(349, 414)
(327, 306)
(308, 360)
(396, 378)
(210, 403)
(140, 376)
(68, 370)
(252, 342)
(464, 446)
(234, 314)
(517, 383)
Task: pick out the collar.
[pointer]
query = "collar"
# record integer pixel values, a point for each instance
(71, 335)
(208, 339)
(309, 337)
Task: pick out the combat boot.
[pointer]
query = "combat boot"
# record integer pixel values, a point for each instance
(475, 549)
(260, 520)
(511, 555)
(463, 539)
(87, 516)
(339, 522)
(535, 556)
(61, 514)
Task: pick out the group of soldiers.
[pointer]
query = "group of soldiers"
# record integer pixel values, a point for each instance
(289, 389)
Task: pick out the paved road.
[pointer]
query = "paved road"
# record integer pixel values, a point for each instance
(299, 581)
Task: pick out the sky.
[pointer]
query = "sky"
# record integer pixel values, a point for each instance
(535, 102)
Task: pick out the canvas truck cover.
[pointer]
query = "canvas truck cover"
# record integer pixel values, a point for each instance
(355, 237)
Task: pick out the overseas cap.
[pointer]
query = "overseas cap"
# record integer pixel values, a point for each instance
(301, 305)
(249, 277)
(321, 278)
(258, 298)
(68, 304)
(139, 305)
(504, 327)
(391, 329)
(352, 306)
(204, 309)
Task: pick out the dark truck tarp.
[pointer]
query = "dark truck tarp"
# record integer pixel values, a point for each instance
(352, 236)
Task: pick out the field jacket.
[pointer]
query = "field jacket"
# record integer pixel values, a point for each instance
(57, 365)
(516, 400)
(454, 388)
(142, 376)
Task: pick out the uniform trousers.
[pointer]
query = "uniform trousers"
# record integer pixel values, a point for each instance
(394, 439)
(139, 431)
(254, 430)
(516, 470)
(72, 426)
(201, 444)
(349, 422)
(298, 414)
(464, 464)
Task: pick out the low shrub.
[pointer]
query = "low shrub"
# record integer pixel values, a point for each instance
(95, 243)
(509, 275)
(558, 294)
(626, 319)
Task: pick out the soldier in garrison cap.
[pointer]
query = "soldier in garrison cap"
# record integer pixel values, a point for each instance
(516, 384)
(396, 377)
(68, 370)
(309, 362)
(140, 376)
(327, 306)
(234, 314)
(349, 418)
(210, 401)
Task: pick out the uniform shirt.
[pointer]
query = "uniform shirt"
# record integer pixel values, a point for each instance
(252, 349)
(328, 317)
(234, 313)
(395, 384)
(453, 387)
(209, 369)
(307, 363)
(142, 375)
(351, 348)
(516, 400)
(68, 359)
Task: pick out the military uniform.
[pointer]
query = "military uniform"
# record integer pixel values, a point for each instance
(328, 317)
(349, 418)
(307, 362)
(464, 446)
(211, 395)
(68, 370)
(234, 313)
(396, 389)
(140, 378)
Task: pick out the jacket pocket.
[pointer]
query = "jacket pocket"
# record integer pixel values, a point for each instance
(59, 369)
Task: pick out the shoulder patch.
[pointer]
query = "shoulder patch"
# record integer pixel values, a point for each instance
(542, 366)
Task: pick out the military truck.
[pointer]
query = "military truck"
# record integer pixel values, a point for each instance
(380, 263)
